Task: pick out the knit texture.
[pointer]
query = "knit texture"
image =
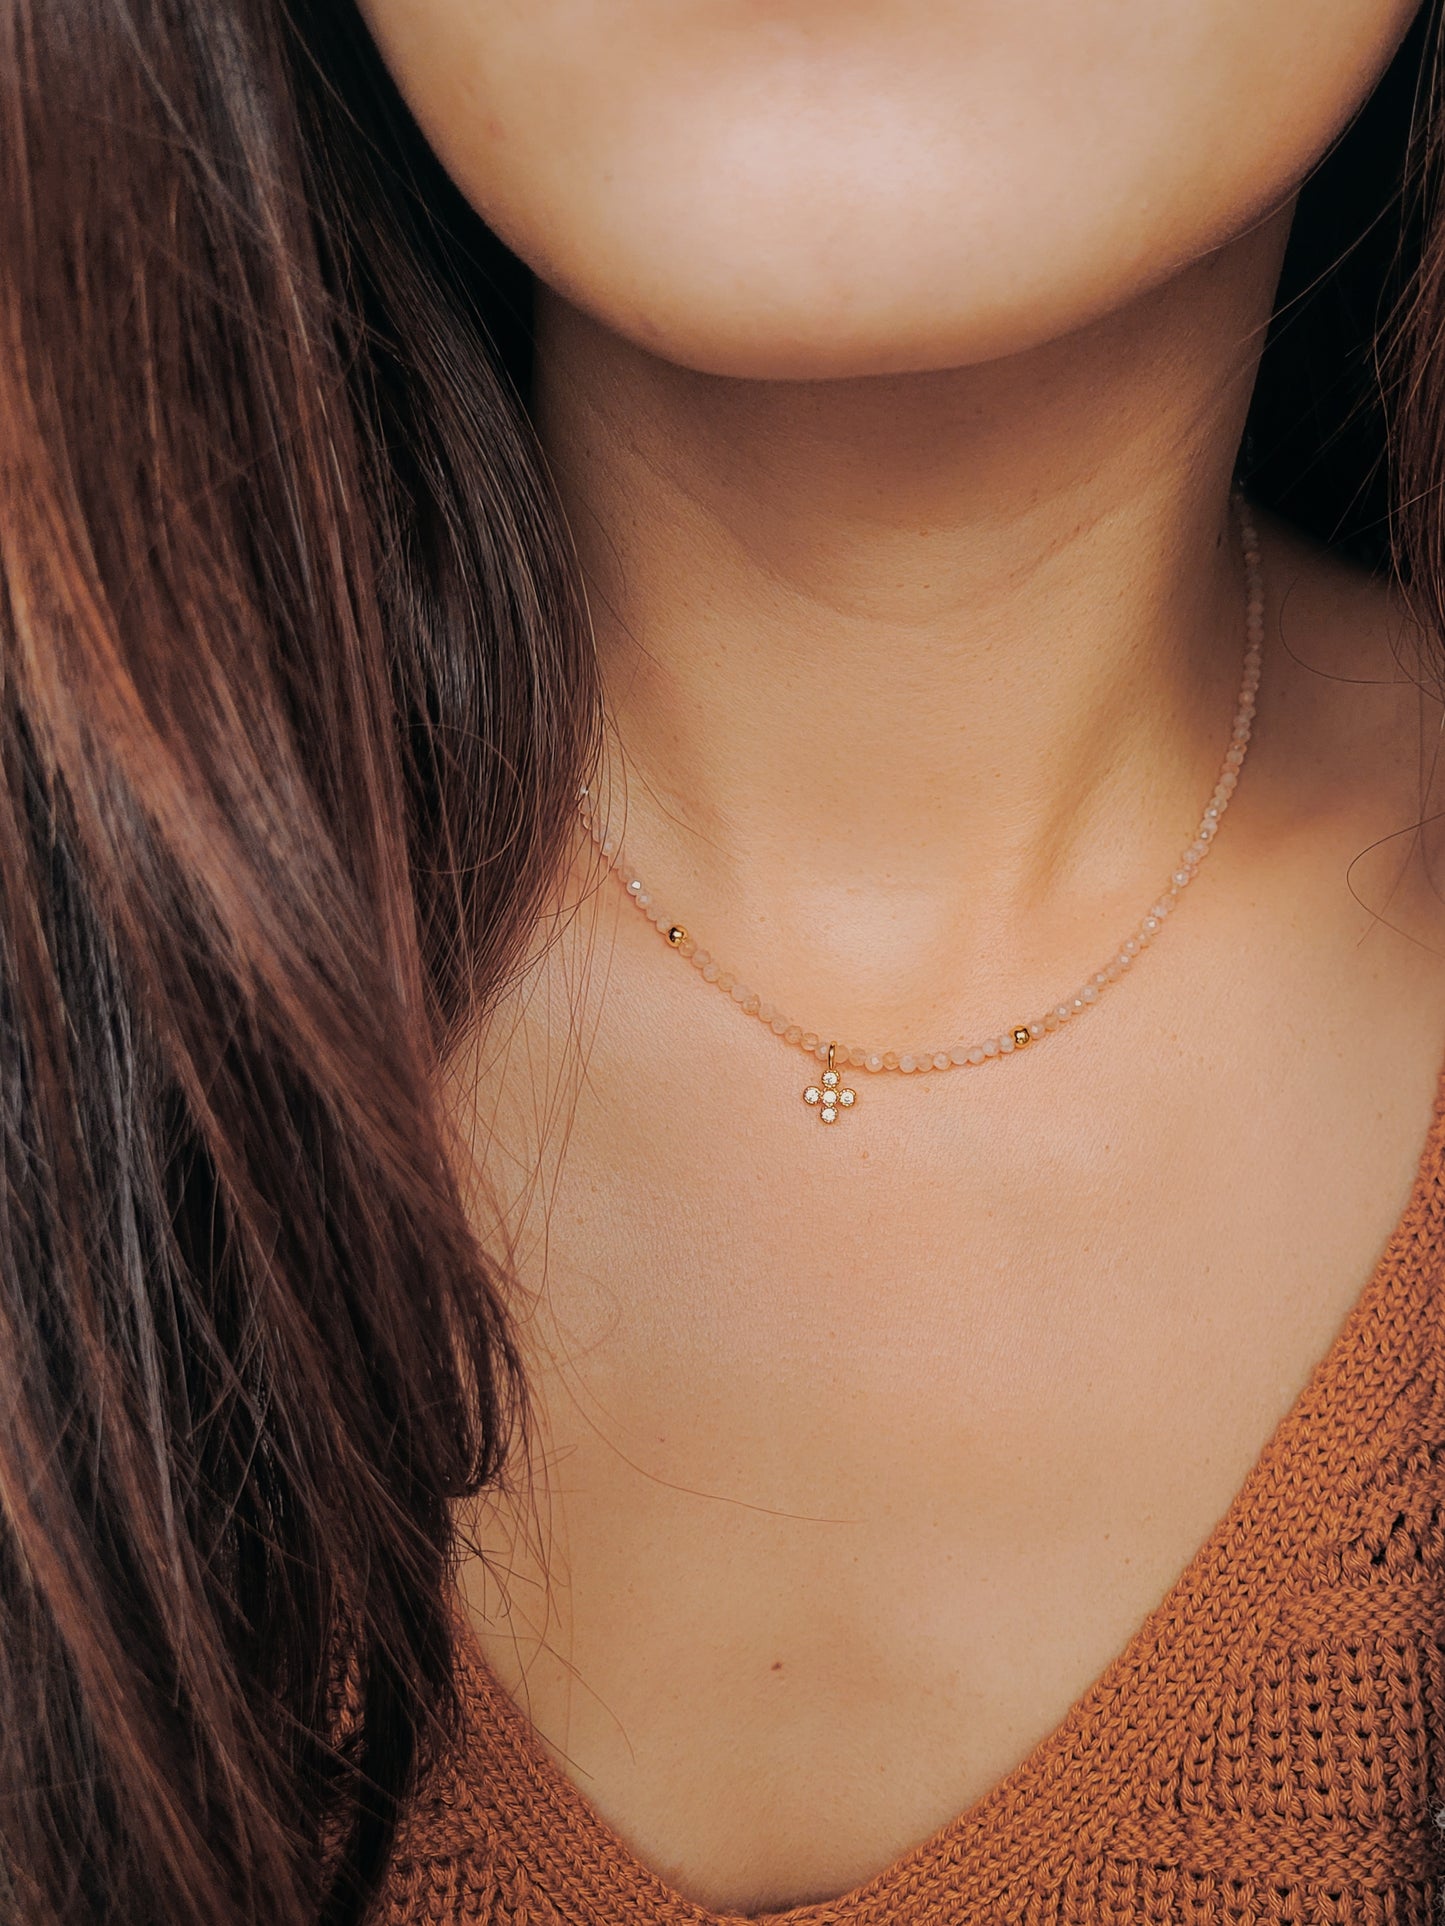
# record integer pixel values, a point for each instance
(1269, 1746)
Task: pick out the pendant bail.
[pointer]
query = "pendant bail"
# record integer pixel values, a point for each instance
(831, 1048)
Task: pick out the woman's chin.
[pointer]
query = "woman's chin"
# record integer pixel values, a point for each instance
(740, 323)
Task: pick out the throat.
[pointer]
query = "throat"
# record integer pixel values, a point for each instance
(937, 631)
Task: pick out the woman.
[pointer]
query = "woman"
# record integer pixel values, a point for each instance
(474, 1447)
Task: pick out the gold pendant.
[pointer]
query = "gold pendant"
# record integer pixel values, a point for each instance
(833, 1095)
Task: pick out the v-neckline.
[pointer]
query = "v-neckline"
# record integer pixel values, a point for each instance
(1031, 1819)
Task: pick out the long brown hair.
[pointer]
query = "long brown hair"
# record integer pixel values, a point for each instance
(296, 691)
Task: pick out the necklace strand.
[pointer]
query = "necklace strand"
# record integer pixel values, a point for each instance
(831, 1096)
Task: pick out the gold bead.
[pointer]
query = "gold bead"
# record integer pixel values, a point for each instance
(1021, 1037)
(677, 934)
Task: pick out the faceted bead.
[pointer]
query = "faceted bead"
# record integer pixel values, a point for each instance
(975, 1055)
(793, 1034)
(959, 1053)
(810, 1040)
(991, 1048)
(890, 1060)
(710, 973)
(873, 1061)
(908, 1063)
(940, 1059)
(725, 981)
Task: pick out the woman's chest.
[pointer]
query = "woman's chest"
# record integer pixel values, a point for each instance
(850, 1477)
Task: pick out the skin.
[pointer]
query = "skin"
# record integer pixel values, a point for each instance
(893, 361)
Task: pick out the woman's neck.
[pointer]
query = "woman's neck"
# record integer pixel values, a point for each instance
(951, 638)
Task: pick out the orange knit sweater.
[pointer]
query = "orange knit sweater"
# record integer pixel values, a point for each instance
(1269, 1746)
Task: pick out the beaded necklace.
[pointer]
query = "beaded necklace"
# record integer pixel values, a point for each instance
(829, 1097)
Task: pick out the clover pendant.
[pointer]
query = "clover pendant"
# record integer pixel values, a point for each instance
(832, 1096)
